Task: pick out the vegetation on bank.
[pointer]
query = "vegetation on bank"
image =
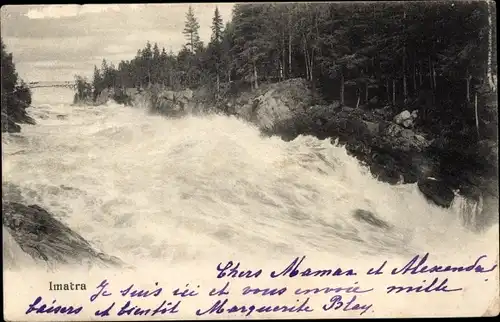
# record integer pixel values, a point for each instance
(16, 96)
(438, 58)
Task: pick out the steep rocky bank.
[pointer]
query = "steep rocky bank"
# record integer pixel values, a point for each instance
(13, 117)
(33, 235)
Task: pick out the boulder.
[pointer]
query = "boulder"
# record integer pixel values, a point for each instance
(47, 239)
(401, 117)
(406, 119)
(187, 94)
(278, 102)
(436, 191)
(408, 123)
(403, 139)
(168, 95)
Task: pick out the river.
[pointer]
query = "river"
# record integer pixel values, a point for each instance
(143, 187)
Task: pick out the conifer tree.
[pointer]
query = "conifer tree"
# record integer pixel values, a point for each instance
(217, 27)
(191, 31)
(15, 95)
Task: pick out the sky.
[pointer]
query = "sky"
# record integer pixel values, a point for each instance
(55, 42)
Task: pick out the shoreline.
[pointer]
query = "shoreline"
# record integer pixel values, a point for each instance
(393, 152)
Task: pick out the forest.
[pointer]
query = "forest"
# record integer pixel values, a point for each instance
(436, 58)
(16, 96)
(383, 52)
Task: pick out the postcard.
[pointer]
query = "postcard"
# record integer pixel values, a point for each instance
(213, 161)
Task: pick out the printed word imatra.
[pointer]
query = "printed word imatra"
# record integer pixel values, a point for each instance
(67, 286)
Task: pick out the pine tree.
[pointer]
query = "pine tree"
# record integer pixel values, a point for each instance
(191, 31)
(155, 65)
(215, 47)
(96, 82)
(147, 58)
(15, 95)
(217, 27)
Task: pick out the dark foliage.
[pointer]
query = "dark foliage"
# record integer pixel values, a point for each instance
(16, 96)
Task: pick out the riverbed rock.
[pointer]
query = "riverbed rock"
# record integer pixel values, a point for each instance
(436, 191)
(45, 238)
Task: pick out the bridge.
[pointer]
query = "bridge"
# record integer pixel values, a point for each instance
(66, 84)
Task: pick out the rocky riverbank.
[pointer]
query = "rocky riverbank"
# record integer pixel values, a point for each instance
(33, 231)
(12, 118)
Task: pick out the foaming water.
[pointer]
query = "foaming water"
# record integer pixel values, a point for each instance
(143, 187)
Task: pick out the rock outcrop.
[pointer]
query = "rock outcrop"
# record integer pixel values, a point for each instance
(174, 103)
(11, 121)
(437, 191)
(406, 118)
(273, 103)
(393, 153)
(46, 239)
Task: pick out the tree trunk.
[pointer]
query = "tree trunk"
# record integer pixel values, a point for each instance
(405, 90)
(387, 90)
(434, 75)
(467, 79)
(290, 50)
(477, 117)
(283, 54)
(306, 59)
(359, 98)
(281, 77)
(366, 93)
(393, 92)
(255, 76)
(218, 85)
(311, 64)
(342, 88)
(420, 73)
(414, 75)
(430, 74)
(490, 77)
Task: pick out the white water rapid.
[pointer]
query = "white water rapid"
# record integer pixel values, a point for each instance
(143, 187)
